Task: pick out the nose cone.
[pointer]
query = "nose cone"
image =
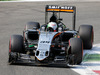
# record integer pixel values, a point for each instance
(41, 55)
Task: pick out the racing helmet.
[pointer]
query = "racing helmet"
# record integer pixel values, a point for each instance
(52, 26)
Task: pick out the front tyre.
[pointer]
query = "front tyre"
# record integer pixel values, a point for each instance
(15, 46)
(76, 49)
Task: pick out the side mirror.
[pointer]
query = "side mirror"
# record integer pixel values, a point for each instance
(42, 28)
(60, 29)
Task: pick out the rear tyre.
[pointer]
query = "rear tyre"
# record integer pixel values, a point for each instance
(76, 49)
(31, 25)
(87, 35)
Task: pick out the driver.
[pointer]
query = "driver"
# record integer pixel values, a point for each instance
(54, 19)
(52, 27)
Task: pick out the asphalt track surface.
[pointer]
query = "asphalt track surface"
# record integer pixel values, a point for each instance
(14, 16)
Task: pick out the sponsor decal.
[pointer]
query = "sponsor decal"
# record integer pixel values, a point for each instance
(67, 7)
(45, 42)
(62, 7)
(54, 7)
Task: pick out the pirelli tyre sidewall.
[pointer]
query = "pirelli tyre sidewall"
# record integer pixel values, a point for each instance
(31, 25)
(87, 35)
(16, 44)
(76, 49)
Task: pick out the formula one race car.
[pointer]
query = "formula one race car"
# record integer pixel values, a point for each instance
(52, 42)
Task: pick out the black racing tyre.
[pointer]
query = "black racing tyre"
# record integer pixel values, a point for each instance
(87, 35)
(31, 25)
(16, 44)
(76, 49)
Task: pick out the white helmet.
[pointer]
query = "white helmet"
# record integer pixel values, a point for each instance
(52, 25)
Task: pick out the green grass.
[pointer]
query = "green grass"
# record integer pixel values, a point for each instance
(91, 57)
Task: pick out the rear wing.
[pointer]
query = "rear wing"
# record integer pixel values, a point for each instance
(56, 8)
(66, 9)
